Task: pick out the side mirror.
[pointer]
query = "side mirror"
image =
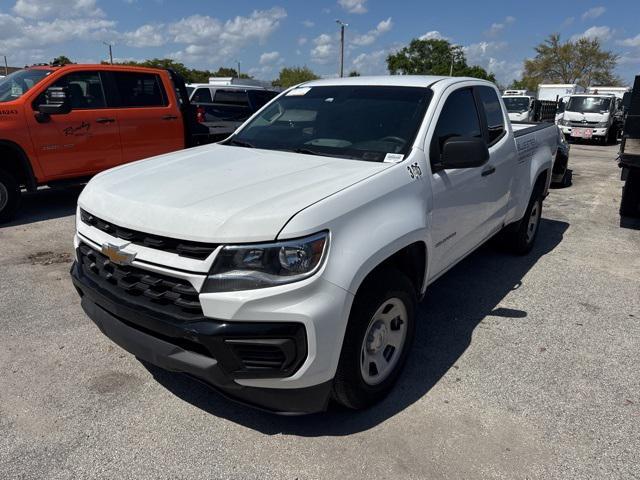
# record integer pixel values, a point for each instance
(57, 101)
(464, 152)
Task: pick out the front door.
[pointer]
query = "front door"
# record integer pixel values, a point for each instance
(459, 207)
(84, 141)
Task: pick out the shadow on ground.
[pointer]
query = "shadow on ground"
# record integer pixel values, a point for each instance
(46, 204)
(454, 306)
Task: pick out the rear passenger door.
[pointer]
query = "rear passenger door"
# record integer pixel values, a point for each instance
(149, 118)
(498, 172)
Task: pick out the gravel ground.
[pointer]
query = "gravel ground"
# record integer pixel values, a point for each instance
(522, 368)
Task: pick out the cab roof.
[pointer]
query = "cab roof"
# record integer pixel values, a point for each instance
(391, 80)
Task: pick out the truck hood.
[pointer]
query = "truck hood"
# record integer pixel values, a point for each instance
(219, 193)
(588, 116)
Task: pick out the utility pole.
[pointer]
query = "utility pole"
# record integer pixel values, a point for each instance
(110, 52)
(6, 67)
(238, 68)
(342, 25)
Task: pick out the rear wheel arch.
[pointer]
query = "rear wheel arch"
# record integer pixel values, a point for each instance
(15, 161)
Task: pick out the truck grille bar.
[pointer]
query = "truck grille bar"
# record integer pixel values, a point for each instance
(196, 250)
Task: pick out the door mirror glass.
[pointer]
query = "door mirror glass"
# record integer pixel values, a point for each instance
(57, 101)
(464, 152)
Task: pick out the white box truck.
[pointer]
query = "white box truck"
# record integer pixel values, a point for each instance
(556, 91)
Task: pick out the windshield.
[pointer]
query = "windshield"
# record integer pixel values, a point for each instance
(589, 104)
(358, 122)
(516, 104)
(15, 85)
(190, 91)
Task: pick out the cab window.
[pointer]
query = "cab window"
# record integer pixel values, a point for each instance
(458, 118)
(140, 90)
(492, 113)
(202, 95)
(85, 90)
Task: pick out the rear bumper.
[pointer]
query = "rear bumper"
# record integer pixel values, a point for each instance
(203, 349)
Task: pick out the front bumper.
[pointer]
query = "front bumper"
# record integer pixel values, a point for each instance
(597, 132)
(204, 348)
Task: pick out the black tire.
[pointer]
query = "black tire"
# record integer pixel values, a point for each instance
(9, 196)
(630, 202)
(519, 237)
(349, 386)
(567, 178)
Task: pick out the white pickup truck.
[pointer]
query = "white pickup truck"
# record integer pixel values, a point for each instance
(284, 266)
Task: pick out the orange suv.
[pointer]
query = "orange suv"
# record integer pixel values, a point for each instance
(61, 125)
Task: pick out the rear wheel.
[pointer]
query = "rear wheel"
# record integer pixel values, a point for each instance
(377, 340)
(521, 237)
(9, 196)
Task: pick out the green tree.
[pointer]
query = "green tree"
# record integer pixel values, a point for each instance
(229, 72)
(354, 73)
(583, 61)
(61, 60)
(525, 83)
(290, 76)
(434, 57)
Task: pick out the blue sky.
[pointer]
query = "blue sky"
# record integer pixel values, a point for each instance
(268, 34)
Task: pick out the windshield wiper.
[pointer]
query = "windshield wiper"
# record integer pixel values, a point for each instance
(239, 143)
(308, 151)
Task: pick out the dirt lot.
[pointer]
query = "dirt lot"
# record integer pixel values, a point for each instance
(522, 368)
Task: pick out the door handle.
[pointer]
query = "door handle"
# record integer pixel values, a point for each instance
(488, 171)
(169, 117)
(105, 120)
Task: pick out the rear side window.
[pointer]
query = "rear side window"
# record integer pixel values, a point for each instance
(140, 90)
(260, 97)
(492, 113)
(231, 97)
(202, 95)
(458, 118)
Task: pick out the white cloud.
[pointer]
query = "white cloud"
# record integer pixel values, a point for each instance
(208, 39)
(594, 12)
(498, 27)
(485, 55)
(308, 23)
(17, 33)
(57, 8)
(146, 36)
(433, 35)
(600, 33)
(631, 42)
(371, 36)
(302, 40)
(268, 58)
(372, 63)
(354, 6)
(325, 49)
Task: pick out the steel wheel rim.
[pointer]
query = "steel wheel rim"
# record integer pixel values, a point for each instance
(534, 219)
(383, 341)
(4, 197)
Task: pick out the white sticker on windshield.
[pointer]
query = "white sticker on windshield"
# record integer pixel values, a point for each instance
(393, 157)
(296, 92)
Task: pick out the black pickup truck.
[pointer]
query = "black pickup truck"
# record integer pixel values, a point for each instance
(629, 159)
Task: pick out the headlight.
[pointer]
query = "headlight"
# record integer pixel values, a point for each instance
(601, 125)
(247, 267)
(564, 122)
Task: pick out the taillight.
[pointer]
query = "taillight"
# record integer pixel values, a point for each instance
(200, 115)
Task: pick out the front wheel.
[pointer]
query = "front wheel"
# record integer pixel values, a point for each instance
(9, 196)
(377, 340)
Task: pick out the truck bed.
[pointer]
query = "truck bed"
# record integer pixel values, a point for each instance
(520, 129)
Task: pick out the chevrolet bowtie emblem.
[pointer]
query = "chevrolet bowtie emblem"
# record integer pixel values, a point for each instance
(117, 255)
